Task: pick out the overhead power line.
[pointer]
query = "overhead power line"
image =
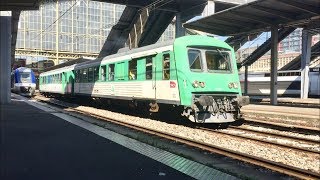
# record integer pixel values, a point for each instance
(41, 33)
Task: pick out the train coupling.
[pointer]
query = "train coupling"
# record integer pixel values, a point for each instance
(243, 100)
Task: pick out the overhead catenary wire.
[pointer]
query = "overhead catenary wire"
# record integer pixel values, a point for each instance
(50, 25)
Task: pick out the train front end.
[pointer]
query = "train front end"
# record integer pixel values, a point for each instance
(208, 80)
(24, 81)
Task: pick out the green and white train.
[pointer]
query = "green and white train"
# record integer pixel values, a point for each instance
(196, 75)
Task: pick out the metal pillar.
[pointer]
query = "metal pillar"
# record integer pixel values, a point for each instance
(209, 9)
(56, 62)
(246, 80)
(274, 66)
(180, 31)
(5, 58)
(305, 62)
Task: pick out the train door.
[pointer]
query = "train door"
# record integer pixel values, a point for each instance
(77, 82)
(166, 79)
(314, 82)
(149, 76)
(71, 80)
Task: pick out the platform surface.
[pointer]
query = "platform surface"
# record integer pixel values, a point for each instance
(38, 145)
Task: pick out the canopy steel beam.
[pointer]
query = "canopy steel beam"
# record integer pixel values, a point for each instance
(265, 47)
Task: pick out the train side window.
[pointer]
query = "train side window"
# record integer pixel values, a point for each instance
(149, 67)
(90, 74)
(103, 73)
(133, 69)
(96, 73)
(195, 61)
(84, 76)
(111, 72)
(166, 67)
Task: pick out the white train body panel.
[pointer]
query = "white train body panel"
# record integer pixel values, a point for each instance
(52, 88)
(161, 90)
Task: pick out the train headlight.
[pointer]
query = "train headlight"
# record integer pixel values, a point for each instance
(195, 84)
(202, 84)
(235, 85)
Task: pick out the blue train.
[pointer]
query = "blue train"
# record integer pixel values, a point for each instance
(23, 81)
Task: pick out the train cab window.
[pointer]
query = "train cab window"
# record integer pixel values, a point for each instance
(96, 73)
(111, 72)
(166, 67)
(90, 74)
(149, 68)
(133, 69)
(103, 73)
(84, 76)
(218, 60)
(195, 61)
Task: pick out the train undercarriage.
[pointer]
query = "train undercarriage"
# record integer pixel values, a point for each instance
(215, 109)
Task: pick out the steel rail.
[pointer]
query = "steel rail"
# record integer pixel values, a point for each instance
(282, 126)
(296, 138)
(275, 166)
(262, 140)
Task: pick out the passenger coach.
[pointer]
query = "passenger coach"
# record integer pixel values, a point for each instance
(196, 75)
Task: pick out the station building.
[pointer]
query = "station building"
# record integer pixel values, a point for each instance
(63, 30)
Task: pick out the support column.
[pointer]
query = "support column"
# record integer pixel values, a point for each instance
(246, 80)
(57, 34)
(5, 58)
(305, 62)
(274, 66)
(209, 9)
(180, 31)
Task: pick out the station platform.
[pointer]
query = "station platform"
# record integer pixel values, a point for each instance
(305, 115)
(310, 102)
(41, 143)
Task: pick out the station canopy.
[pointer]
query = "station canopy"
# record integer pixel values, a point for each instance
(260, 15)
(10, 5)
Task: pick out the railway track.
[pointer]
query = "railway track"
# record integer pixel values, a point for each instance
(286, 141)
(283, 127)
(275, 166)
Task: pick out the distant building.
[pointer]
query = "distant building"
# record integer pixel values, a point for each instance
(293, 42)
(62, 30)
(288, 49)
(263, 64)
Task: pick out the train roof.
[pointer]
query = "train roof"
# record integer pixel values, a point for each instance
(60, 70)
(23, 69)
(136, 53)
(131, 54)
